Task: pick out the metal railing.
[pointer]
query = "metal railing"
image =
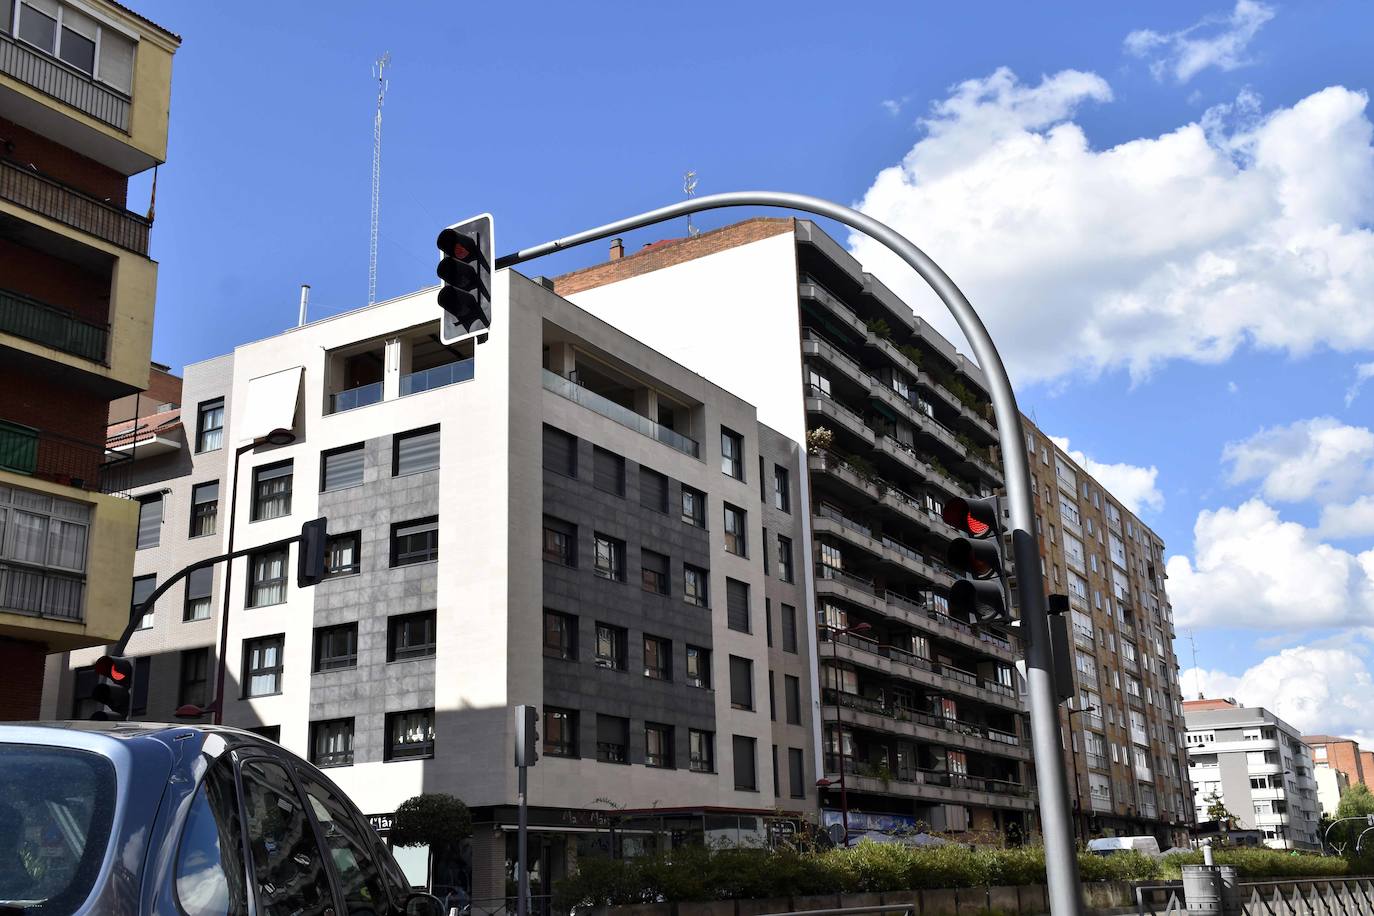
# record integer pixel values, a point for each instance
(844, 578)
(52, 326)
(825, 510)
(353, 398)
(61, 459)
(55, 200)
(917, 776)
(51, 77)
(1352, 896)
(620, 414)
(437, 377)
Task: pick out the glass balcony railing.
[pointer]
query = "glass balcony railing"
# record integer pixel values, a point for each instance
(620, 414)
(438, 377)
(353, 398)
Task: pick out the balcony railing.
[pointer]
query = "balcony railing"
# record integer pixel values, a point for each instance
(71, 207)
(41, 592)
(917, 776)
(52, 327)
(51, 77)
(844, 578)
(49, 456)
(353, 398)
(620, 414)
(825, 510)
(438, 377)
(876, 707)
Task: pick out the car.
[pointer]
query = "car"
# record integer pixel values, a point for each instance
(191, 820)
(1113, 845)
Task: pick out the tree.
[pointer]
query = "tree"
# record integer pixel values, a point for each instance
(1216, 808)
(1356, 801)
(438, 821)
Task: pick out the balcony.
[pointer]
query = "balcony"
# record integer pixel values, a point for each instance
(52, 327)
(68, 206)
(871, 778)
(354, 398)
(50, 456)
(437, 377)
(892, 716)
(620, 414)
(820, 402)
(53, 78)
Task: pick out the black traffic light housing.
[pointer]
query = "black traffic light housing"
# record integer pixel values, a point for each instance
(982, 595)
(311, 551)
(466, 254)
(114, 688)
(526, 736)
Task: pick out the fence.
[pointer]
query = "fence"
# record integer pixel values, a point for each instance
(1312, 897)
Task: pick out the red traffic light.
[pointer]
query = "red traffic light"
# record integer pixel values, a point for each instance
(116, 669)
(976, 517)
(455, 244)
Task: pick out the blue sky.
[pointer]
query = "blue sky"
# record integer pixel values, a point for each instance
(1101, 197)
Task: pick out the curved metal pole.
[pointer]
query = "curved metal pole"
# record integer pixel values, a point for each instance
(1359, 840)
(1061, 860)
(1326, 834)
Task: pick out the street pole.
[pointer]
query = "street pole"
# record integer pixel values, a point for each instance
(1081, 821)
(1061, 859)
(522, 906)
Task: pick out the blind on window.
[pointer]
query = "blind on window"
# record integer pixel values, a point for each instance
(737, 605)
(198, 584)
(205, 492)
(143, 587)
(149, 522)
(417, 451)
(745, 776)
(741, 682)
(653, 490)
(117, 61)
(789, 628)
(612, 730)
(560, 452)
(343, 469)
(796, 775)
(608, 471)
(792, 698)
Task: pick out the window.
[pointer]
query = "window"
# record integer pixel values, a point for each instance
(341, 555)
(143, 588)
(341, 468)
(735, 539)
(653, 571)
(204, 509)
(560, 452)
(198, 587)
(331, 743)
(768, 621)
(560, 541)
(610, 558)
(698, 667)
(267, 578)
(410, 636)
(658, 745)
(658, 658)
(701, 751)
(272, 490)
(210, 425)
(560, 635)
(560, 732)
(262, 666)
(746, 769)
(336, 647)
(410, 735)
(791, 690)
(796, 772)
(693, 506)
(653, 490)
(415, 542)
(785, 568)
(351, 848)
(782, 489)
(415, 451)
(149, 521)
(211, 847)
(608, 472)
(789, 629)
(731, 453)
(737, 605)
(193, 688)
(741, 683)
(610, 646)
(612, 739)
(694, 585)
(286, 859)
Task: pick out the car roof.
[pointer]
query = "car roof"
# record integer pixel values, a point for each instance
(162, 732)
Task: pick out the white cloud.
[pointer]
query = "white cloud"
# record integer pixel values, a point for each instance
(1349, 520)
(1319, 458)
(1249, 228)
(1251, 569)
(1363, 373)
(893, 106)
(1232, 387)
(1316, 689)
(1215, 41)
(1134, 486)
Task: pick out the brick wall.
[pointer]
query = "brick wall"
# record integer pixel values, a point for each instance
(673, 251)
(1367, 767)
(61, 164)
(36, 274)
(163, 388)
(21, 670)
(49, 405)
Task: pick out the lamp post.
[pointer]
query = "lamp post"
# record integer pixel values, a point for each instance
(839, 722)
(1082, 821)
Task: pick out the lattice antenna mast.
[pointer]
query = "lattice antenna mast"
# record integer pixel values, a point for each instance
(379, 72)
(1197, 672)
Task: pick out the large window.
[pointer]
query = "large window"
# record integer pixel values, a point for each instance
(149, 521)
(610, 646)
(336, 647)
(694, 587)
(70, 35)
(560, 732)
(737, 605)
(341, 555)
(782, 488)
(741, 683)
(210, 425)
(608, 472)
(612, 739)
(560, 635)
(342, 468)
(267, 578)
(736, 541)
(786, 571)
(410, 636)
(262, 666)
(415, 451)
(415, 542)
(204, 509)
(658, 745)
(731, 453)
(194, 685)
(272, 490)
(40, 530)
(693, 506)
(746, 767)
(701, 749)
(198, 587)
(410, 735)
(560, 452)
(143, 588)
(658, 658)
(653, 490)
(653, 571)
(789, 628)
(698, 667)
(560, 541)
(331, 743)
(610, 557)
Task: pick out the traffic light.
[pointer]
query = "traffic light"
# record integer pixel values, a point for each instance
(526, 736)
(310, 555)
(114, 689)
(465, 258)
(983, 594)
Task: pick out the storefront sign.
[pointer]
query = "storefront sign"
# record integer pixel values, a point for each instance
(381, 822)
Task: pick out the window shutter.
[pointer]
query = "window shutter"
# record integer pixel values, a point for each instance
(737, 605)
(417, 452)
(116, 61)
(745, 775)
(741, 682)
(343, 468)
(149, 522)
(653, 490)
(560, 452)
(608, 471)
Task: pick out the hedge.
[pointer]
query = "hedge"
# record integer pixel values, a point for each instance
(694, 873)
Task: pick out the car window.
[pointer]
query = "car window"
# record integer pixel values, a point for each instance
(288, 869)
(358, 873)
(56, 812)
(209, 871)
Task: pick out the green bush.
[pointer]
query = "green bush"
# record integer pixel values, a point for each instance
(1260, 863)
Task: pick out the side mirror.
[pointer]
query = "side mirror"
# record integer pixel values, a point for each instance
(424, 905)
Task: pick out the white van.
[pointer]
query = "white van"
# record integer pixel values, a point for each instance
(1111, 845)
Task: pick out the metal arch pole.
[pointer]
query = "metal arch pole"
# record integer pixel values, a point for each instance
(1061, 861)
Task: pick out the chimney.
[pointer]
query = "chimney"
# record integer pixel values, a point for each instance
(305, 304)
(617, 249)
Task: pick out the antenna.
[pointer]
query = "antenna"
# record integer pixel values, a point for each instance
(1197, 672)
(379, 73)
(689, 187)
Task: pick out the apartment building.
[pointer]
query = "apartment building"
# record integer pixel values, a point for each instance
(1127, 763)
(921, 712)
(1255, 764)
(556, 515)
(84, 93)
(1343, 754)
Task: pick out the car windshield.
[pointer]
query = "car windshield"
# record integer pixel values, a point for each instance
(56, 807)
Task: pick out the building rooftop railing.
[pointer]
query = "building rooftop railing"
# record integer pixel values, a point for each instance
(354, 398)
(620, 414)
(437, 377)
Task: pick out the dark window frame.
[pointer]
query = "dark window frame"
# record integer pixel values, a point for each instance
(318, 729)
(739, 537)
(208, 596)
(733, 454)
(564, 649)
(319, 662)
(615, 553)
(782, 489)
(201, 516)
(750, 742)
(705, 760)
(334, 571)
(567, 731)
(360, 447)
(401, 437)
(701, 596)
(615, 486)
(701, 679)
(563, 537)
(429, 554)
(424, 749)
(665, 758)
(202, 409)
(652, 579)
(254, 583)
(660, 505)
(185, 684)
(259, 497)
(570, 469)
(619, 639)
(786, 562)
(742, 678)
(144, 502)
(397, 623)
(663, 652)
(695, 514)
(147, 621)
(604, 748)
(278, 671)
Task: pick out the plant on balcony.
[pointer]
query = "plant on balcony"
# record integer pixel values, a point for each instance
(861, 467)
(911, 352)
(883, 772)
(879, 329)
(819, 440)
